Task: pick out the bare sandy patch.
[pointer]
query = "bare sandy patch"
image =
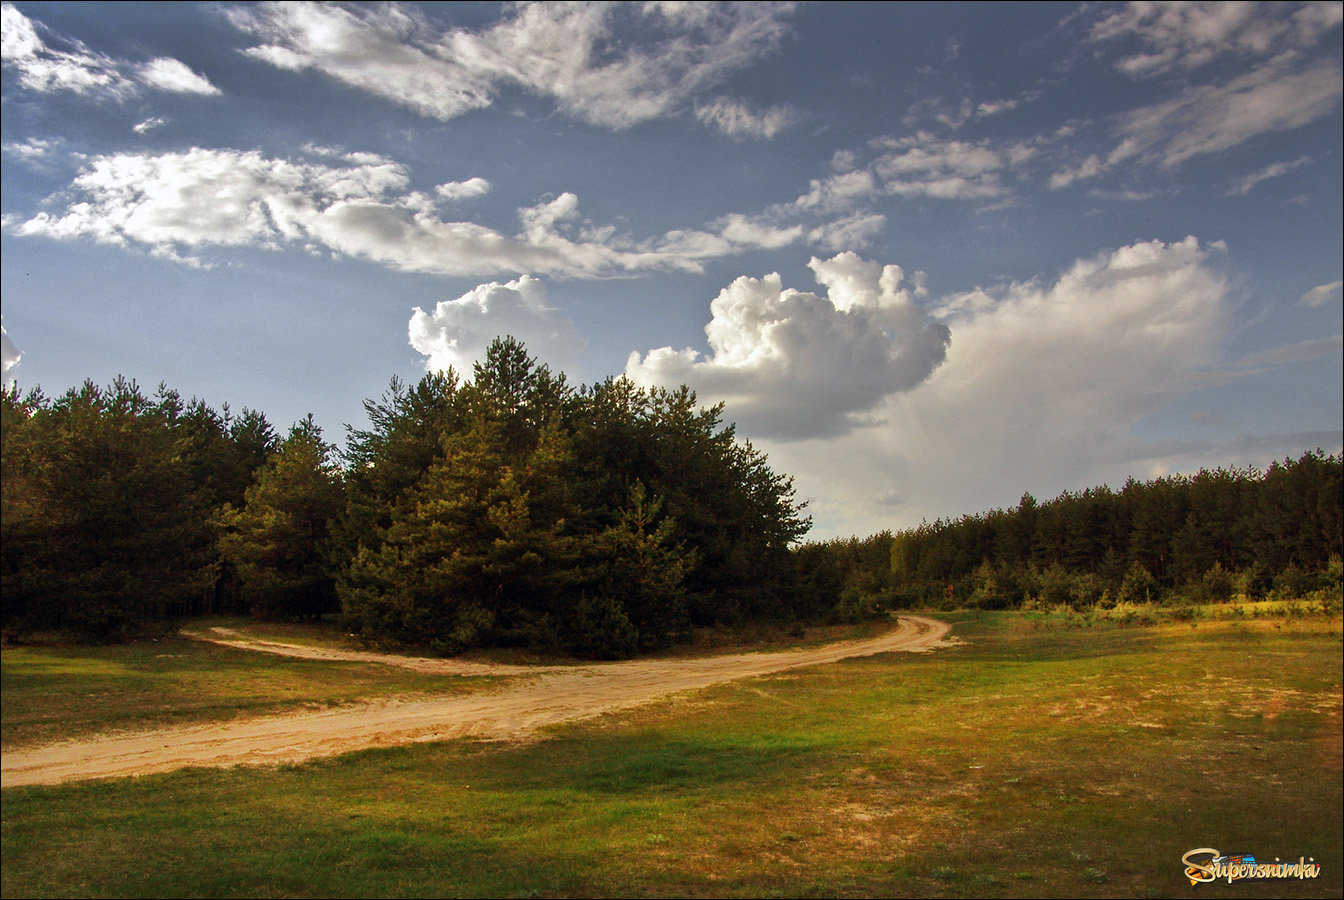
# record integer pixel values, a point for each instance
(535, 697)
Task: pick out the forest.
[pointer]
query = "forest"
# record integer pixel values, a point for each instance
(1214, 536)
(513, 509)
(505, 509)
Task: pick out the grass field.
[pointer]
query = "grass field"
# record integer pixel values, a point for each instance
(1040, 758)
(54, 693)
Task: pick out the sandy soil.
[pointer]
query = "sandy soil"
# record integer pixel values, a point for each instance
(537, 697)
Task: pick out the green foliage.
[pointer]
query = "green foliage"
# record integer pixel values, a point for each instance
(508, 508)
(515, 510)
(108, 496)
(601, 629)
(644, 571)
(1211, 537)
(277, 541)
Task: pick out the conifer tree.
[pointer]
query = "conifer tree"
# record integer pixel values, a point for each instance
(278, 539)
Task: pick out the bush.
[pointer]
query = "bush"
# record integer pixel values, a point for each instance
(602, 630)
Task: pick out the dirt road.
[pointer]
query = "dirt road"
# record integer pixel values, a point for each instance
(537, 697)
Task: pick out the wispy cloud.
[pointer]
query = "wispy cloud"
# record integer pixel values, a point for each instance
(148, 125)
(1212, 118)
(1202, 120)
(1165, 37)
(1321, 294)
(1302, 351)
(737, 120)
(1274, 170)
(919, 165)
(568, 52)
(33, 148)
(71, 66)
(1280, 86)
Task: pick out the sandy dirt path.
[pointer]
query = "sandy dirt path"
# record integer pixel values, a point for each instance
(540, 696)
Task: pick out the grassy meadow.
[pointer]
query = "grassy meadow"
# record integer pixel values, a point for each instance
(1047, 755)
(51, 693)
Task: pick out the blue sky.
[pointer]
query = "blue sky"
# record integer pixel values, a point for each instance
(931, 256)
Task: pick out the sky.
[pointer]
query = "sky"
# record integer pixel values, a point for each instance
(930, 256)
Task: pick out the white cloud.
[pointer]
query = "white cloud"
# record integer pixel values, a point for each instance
(1041, 388)
(965, 111)
(1281, 85)
(33, 148)
(955, 170)
(838, 192)
(1278, 95)
(1186, 36)
(735, 119)
(174, 76)
(851, 231)
(920, 165)
(149, 125)
(44, 68)
(1212, 118)
(457, 332)
(463, 190)
(568, 52)
(747, 232)
(792, 364)
(1321, 294)
(177, 205)
(1274, 170)
(1088, 168)
(9, 356)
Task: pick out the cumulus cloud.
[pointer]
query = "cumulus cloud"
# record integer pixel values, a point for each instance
(735, 119)
(177, 205)
(1321, 294)
(463, 190)
(1186, 36)
(580, 56)
(71, 66)
(1041, 388)
(457, 332)
(792, 364)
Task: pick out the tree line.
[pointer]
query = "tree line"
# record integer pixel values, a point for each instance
(511, 508)
(508, 508)
(1208, 537)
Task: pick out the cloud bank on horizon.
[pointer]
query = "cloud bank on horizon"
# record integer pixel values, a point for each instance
(926, 273)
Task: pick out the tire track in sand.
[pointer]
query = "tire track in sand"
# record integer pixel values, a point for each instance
(545, 696)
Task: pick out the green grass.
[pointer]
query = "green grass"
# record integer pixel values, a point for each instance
(50, 693)
(1027, 762)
